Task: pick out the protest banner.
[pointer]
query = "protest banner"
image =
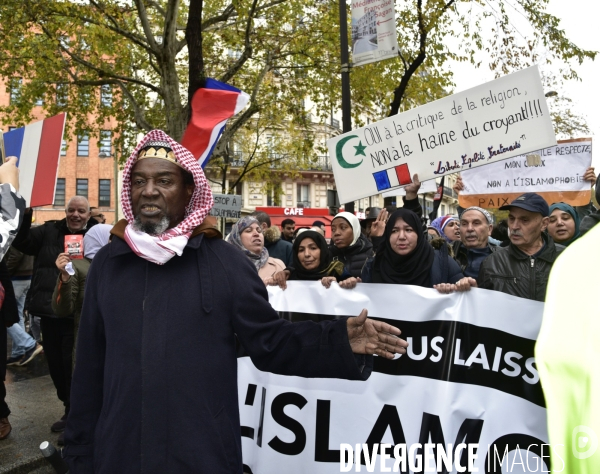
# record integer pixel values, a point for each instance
(227, 205)
(488, 123)
(558, 177)
(37, 147)
(469, 376)
(373, 31)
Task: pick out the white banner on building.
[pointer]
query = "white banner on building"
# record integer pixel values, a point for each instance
(469, 377)
(491, 122)
(373, 31)
(558, 177)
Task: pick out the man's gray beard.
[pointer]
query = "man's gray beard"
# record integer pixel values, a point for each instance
(152, 228)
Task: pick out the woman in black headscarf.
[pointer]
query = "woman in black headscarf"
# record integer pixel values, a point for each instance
(405, 257)
(312, 261)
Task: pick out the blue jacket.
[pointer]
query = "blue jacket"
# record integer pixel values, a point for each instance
(155, 385)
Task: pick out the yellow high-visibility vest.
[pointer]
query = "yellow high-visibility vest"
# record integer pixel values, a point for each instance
(568, 357)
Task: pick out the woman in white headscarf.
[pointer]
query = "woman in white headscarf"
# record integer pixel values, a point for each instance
(67, 299)
(348, 244)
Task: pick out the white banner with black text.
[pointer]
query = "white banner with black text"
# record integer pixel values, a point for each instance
(465, 398)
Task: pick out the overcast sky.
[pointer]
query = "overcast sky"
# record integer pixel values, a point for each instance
(579, 20)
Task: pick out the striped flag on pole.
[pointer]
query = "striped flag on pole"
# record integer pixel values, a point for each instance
(212, 106)
(37, 147)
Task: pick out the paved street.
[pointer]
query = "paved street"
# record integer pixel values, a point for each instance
(32, 399)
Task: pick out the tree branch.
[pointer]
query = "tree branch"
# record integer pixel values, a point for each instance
(138, 112)
(247, 54)
(115, 27)
(101, 72)
(169, 35)
(408, 73)
(143, 14)
(157, 7)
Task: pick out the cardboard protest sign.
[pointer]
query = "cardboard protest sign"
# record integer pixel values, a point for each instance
(227, 205)
(373, 31)
(491, 122)
(558, 177)
(469, 376)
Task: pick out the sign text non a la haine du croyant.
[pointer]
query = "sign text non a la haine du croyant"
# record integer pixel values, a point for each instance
(482, 125)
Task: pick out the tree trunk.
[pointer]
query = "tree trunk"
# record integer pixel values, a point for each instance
(193, 36)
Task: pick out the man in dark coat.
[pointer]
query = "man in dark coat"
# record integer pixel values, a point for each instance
(522, 268)
(474, 245)
(45, 242)
(155, 385)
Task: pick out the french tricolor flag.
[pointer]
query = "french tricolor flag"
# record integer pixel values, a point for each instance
(212, 106)
(37, 147)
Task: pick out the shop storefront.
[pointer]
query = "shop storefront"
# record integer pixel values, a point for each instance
(302, 216)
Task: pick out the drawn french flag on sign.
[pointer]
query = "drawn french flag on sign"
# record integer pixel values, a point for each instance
(37, 147)
(212, 106)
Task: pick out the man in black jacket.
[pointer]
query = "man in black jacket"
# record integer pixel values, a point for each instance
(45, 243)
(474, 246)
(155, 385)
(522, 268)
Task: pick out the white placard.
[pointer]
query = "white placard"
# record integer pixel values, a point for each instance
(373, 31)
(469, 376)
(227, 205)
(561, 169)
(492, 122)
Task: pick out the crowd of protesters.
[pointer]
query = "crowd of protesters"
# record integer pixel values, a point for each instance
(391, 246)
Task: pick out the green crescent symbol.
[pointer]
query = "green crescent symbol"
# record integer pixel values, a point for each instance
(338, 153)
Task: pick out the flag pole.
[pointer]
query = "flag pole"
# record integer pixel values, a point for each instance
(345, 71)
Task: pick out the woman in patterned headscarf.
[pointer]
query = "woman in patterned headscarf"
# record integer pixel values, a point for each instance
(246, 234)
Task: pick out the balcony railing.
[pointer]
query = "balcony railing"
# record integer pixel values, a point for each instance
(322, 163)
(303, 204)
(449, 192)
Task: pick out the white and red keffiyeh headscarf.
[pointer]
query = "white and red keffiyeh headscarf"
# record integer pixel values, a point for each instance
(161, 248)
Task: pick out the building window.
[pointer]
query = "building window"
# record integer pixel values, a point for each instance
(83, 145)
(84, 96)
(106, 95)
(62, 94)
(39, 101)
(59, 194)
(82, 188)
(15, 89)
(303, 193)
(105, 143)
(104, 193)
(63, 148)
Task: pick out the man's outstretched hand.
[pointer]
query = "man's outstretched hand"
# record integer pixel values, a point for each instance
(367, 336)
